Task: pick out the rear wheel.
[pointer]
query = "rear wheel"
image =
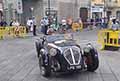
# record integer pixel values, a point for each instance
(92, 61)
(45, 70)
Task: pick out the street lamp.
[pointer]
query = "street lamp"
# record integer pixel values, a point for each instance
(49, 7)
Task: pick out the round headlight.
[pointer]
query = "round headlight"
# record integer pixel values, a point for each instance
(53, 51)
(86, 49)
(42, 51)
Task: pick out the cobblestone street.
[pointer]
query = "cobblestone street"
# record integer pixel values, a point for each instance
(18, 62)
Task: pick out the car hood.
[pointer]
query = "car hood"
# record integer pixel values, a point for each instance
(61, 47)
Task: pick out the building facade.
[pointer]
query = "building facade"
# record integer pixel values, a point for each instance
(97, 9)
(113, 8)
(70, 8)
(105, 8)
(64, 8)
(37, 8)
(13, 9)
(33, 8)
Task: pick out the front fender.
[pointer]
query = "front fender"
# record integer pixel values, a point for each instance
(89, 49)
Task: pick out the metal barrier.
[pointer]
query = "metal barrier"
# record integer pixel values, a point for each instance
(12, 31)
(2, 31)
(109, 37)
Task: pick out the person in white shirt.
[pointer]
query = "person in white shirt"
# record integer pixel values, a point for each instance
(30, 24)
(15, 23)
(44, 25)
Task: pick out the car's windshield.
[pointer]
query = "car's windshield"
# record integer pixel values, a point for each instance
(58, 37)
(63, 43)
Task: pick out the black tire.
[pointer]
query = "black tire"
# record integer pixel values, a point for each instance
(45, 70)
(94, 62)
(37, 48)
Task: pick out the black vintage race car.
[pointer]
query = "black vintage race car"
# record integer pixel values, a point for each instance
(60, 53)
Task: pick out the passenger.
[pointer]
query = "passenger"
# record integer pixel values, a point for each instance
(64, 25)
(64, 22)
(69, 22)
(46, 24)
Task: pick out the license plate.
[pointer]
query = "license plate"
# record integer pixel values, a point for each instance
(72, 67)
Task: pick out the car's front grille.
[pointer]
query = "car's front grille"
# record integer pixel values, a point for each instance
(72, 55)
(76, 56)
(68, 56)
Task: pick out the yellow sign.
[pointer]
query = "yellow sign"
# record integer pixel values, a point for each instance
(109, 37)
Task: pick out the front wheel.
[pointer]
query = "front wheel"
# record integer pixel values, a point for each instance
(45, 70)
(37, 48)
(93, 62)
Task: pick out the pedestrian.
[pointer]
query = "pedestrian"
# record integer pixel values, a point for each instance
(115, 25)
(100, 23)
(29, 25)
(110, 24)
(103, 22)
(42, 25)
(11, 22)
(46, 24)
(34, 26)
(16, 24)
(3, 23)
(91, 24)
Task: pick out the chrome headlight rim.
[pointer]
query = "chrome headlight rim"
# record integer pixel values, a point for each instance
(43, 51)
(53, 52)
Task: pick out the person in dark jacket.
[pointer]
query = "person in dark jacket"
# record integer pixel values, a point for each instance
(3, 23)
